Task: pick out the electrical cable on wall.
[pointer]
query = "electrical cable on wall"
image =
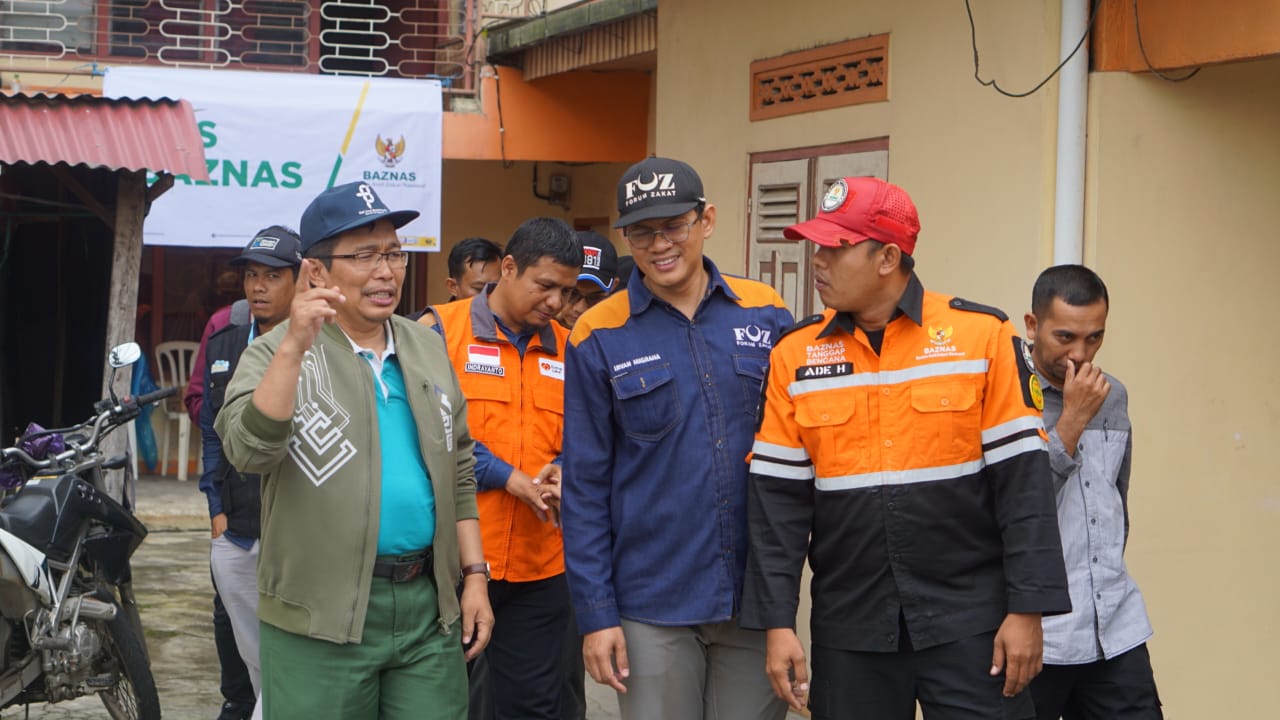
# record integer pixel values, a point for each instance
(1137, 27)
(973, 36)
(502, 128)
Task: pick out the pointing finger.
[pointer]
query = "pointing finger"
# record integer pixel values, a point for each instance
(304, 276)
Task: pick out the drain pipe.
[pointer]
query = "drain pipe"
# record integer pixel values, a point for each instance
(1073, 110)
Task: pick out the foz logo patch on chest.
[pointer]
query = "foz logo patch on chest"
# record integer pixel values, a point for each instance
(753, 336)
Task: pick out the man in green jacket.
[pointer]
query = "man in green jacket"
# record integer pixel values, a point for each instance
(354, 419)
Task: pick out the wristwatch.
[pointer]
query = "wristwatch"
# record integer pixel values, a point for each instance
(476, 569)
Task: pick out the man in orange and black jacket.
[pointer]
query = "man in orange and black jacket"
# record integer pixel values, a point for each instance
(900, 450)
(508, 352)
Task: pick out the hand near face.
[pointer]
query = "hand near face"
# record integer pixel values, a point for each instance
(1084, 391)
(312, 307)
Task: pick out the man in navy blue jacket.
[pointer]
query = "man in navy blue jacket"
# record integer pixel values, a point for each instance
(661, 390)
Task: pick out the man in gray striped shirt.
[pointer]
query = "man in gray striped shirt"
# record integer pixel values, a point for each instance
(1096, 664)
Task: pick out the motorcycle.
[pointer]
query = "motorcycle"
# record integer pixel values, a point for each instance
(69, 622)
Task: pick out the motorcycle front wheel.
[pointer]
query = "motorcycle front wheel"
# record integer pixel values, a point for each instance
(133, 696)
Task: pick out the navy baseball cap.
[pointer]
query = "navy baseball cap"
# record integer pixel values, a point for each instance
(655, 188)
(344, 207)
(599, 260)
(276, 246)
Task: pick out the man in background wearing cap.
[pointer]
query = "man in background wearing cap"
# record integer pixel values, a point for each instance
(597, 278)
(269, 265)
(660, 398)
(238, 695)
(508, 352)
(901, 452)
(355, 420)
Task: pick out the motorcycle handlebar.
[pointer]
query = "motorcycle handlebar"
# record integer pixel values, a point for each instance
(162, 393)
(107, 416)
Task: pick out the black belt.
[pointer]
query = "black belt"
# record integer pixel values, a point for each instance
(406, 568)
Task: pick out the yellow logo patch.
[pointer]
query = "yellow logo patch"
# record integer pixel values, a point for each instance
(940, 336)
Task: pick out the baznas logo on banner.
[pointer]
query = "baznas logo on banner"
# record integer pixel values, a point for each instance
(273, 141)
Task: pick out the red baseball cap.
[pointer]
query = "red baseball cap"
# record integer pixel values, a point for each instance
(862, 208)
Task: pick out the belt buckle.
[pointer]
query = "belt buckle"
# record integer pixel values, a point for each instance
(404, 572)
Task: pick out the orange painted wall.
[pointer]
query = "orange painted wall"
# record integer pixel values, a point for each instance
(1184, 33)
(572, 117)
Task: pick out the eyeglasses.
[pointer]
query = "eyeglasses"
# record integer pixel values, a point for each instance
(642, 237)
(396, 259)
(576, 296)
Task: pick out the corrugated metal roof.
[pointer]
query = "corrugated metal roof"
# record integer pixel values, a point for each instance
(611, 44)
(156, 135)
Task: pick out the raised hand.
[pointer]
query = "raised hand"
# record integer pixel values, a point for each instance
(312, 307)
(1083, 392)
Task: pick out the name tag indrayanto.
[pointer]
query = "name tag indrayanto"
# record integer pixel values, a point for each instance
(485, 369)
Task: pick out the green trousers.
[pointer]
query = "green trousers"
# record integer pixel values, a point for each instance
(405, 668)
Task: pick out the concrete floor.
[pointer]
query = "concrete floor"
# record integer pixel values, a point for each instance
(171, 579)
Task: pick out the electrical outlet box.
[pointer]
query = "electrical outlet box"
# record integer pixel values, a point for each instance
(560, 184)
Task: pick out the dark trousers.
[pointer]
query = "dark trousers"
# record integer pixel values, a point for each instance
(951, 682)
(479, 698)
(1122, 688)
(573, 694)
(524, 656)
(235, 686)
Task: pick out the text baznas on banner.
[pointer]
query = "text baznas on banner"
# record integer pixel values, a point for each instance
(243, 173)
(273, 141)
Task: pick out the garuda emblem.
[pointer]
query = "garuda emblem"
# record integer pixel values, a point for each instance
(390, 154)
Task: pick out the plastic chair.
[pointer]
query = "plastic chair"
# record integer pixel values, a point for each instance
(174, 360)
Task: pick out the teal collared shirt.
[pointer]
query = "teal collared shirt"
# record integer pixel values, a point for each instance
(407, 520)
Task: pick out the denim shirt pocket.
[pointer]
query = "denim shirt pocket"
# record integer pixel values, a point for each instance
(751, 371)
(648, 405)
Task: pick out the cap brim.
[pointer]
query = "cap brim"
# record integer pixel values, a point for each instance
(598, 281)
(823, 232)
(264, 259)
(654, 212)
(398, 218)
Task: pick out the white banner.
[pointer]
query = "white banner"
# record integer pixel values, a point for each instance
(273, 141)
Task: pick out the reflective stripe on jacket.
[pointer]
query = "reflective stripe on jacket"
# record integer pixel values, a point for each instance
(920, 471)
